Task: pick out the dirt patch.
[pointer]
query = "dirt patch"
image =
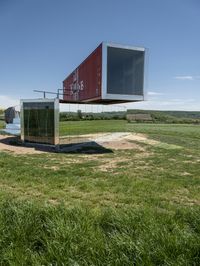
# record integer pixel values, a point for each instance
(118, 141)
(103, 141)
(114, 141)
(124, 140)
(53, 201)
(144, 139)
(99, 143)
(122, 145)
(54, 168)
(186, 174)
(184, 200)
(111, 164)
(8, 144)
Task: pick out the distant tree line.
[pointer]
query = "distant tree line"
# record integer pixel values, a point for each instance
(77, 116)
(170, 117)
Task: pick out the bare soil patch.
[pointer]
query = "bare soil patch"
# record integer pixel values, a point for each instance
(122, 145)
(113, 141)
(111, 164)
(8, 144)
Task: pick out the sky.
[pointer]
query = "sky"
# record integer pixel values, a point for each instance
(42, 41)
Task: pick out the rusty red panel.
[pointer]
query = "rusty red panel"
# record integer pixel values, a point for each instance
(84, 83)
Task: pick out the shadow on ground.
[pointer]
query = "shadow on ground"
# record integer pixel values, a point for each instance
(89, 147)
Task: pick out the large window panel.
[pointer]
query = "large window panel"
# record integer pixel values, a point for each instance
(125, 71)
(39, 122)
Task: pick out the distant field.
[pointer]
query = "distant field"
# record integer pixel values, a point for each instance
(95, 126)
(127, 207)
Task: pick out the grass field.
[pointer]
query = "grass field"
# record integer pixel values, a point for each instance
(127, 207)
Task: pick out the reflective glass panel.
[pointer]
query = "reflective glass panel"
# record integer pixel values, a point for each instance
(39, 122)
(125, 71)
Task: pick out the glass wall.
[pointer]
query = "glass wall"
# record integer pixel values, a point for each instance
(39, 125)
(125, 71)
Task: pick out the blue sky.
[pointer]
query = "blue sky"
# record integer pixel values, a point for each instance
(41, 41)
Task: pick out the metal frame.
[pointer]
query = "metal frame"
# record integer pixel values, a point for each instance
(108, 96)
(145, 80)
(56, 116)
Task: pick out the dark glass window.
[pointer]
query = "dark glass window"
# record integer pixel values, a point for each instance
(125, 71)
(39, 122)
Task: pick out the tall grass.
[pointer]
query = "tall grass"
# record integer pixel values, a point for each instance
(32, 235)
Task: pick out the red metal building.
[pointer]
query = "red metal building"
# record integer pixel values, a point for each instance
(111, 73)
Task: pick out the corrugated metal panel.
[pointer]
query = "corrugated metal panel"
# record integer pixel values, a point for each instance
(85, 82)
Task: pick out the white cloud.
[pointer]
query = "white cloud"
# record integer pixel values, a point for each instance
(6, 101)
(169, 104)
(187, 77)
(184, 77)
(152, 93)
(153, 103)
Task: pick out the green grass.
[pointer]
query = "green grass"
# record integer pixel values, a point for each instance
(128, 207)
(85, 127)
(1, 124)
(32, 235)
(94, 126)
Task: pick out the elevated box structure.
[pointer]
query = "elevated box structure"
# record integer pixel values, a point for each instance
(112, 73)
(40, 121)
